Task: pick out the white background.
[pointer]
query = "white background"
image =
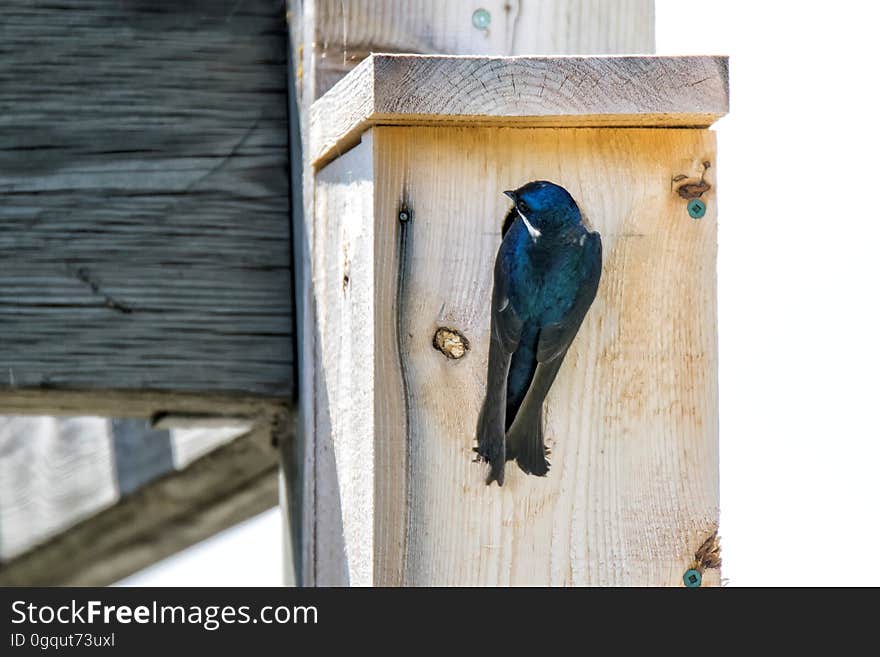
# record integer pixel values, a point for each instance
(799, 272)
(799, 284)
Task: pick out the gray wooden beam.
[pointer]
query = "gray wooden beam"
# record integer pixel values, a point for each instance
(172, 512)
(134, 403)
(141, 452)
(145, 213)
(292, 452)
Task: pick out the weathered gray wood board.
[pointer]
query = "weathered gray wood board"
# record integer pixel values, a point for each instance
(346, 32)
(64, 521)
(527, 91)
(148, 404)
(144, 197)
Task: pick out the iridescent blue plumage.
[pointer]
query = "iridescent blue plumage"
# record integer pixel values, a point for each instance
(546, 276)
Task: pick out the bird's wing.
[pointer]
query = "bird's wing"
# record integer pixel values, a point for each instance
(555, 339)
(506, 331)
(525, 436)
(506, 324)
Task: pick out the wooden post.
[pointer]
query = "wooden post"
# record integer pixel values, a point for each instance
(632, 494)
(329, 39)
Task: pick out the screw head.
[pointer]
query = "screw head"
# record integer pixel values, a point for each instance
(696, 208)
(692, 578)
(481, 19)
(404, 215)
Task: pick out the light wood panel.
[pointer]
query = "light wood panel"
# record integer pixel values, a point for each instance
(632, 493)
(343, 265)
(644, 91)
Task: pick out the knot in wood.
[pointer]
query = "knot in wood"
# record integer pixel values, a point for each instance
(451, 343)
(693, 190)
(690, 189)
(709, 553)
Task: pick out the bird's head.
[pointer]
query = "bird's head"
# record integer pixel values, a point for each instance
(544, 206)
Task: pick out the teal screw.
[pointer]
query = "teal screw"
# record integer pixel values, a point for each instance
(481, 19)
(692, 578)
(696, 208)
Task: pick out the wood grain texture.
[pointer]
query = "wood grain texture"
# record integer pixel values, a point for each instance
(393, 247)
(227, 485)
(143, 171)
(343, 264)
(632, 419)
(645, 91)
(346, 32)
(54, 473)
(135, 403)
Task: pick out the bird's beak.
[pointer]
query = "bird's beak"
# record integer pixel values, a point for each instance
(511, 195)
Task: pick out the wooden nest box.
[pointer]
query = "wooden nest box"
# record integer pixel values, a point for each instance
(411, 156)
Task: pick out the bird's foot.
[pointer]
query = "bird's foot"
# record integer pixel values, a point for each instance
(491, 452)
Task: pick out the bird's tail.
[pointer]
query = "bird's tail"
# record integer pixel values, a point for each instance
(490, 426)
(490, 441)
(525, 441)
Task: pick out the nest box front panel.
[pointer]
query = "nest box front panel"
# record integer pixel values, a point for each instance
(631, 420)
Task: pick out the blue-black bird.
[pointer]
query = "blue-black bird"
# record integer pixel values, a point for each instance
(546, 276)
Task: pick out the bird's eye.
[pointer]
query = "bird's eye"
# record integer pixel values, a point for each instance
(522, 206)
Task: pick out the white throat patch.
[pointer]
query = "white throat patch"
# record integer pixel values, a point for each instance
(533, 232)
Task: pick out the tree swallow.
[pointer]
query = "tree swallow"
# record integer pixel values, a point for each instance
(546, 276)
